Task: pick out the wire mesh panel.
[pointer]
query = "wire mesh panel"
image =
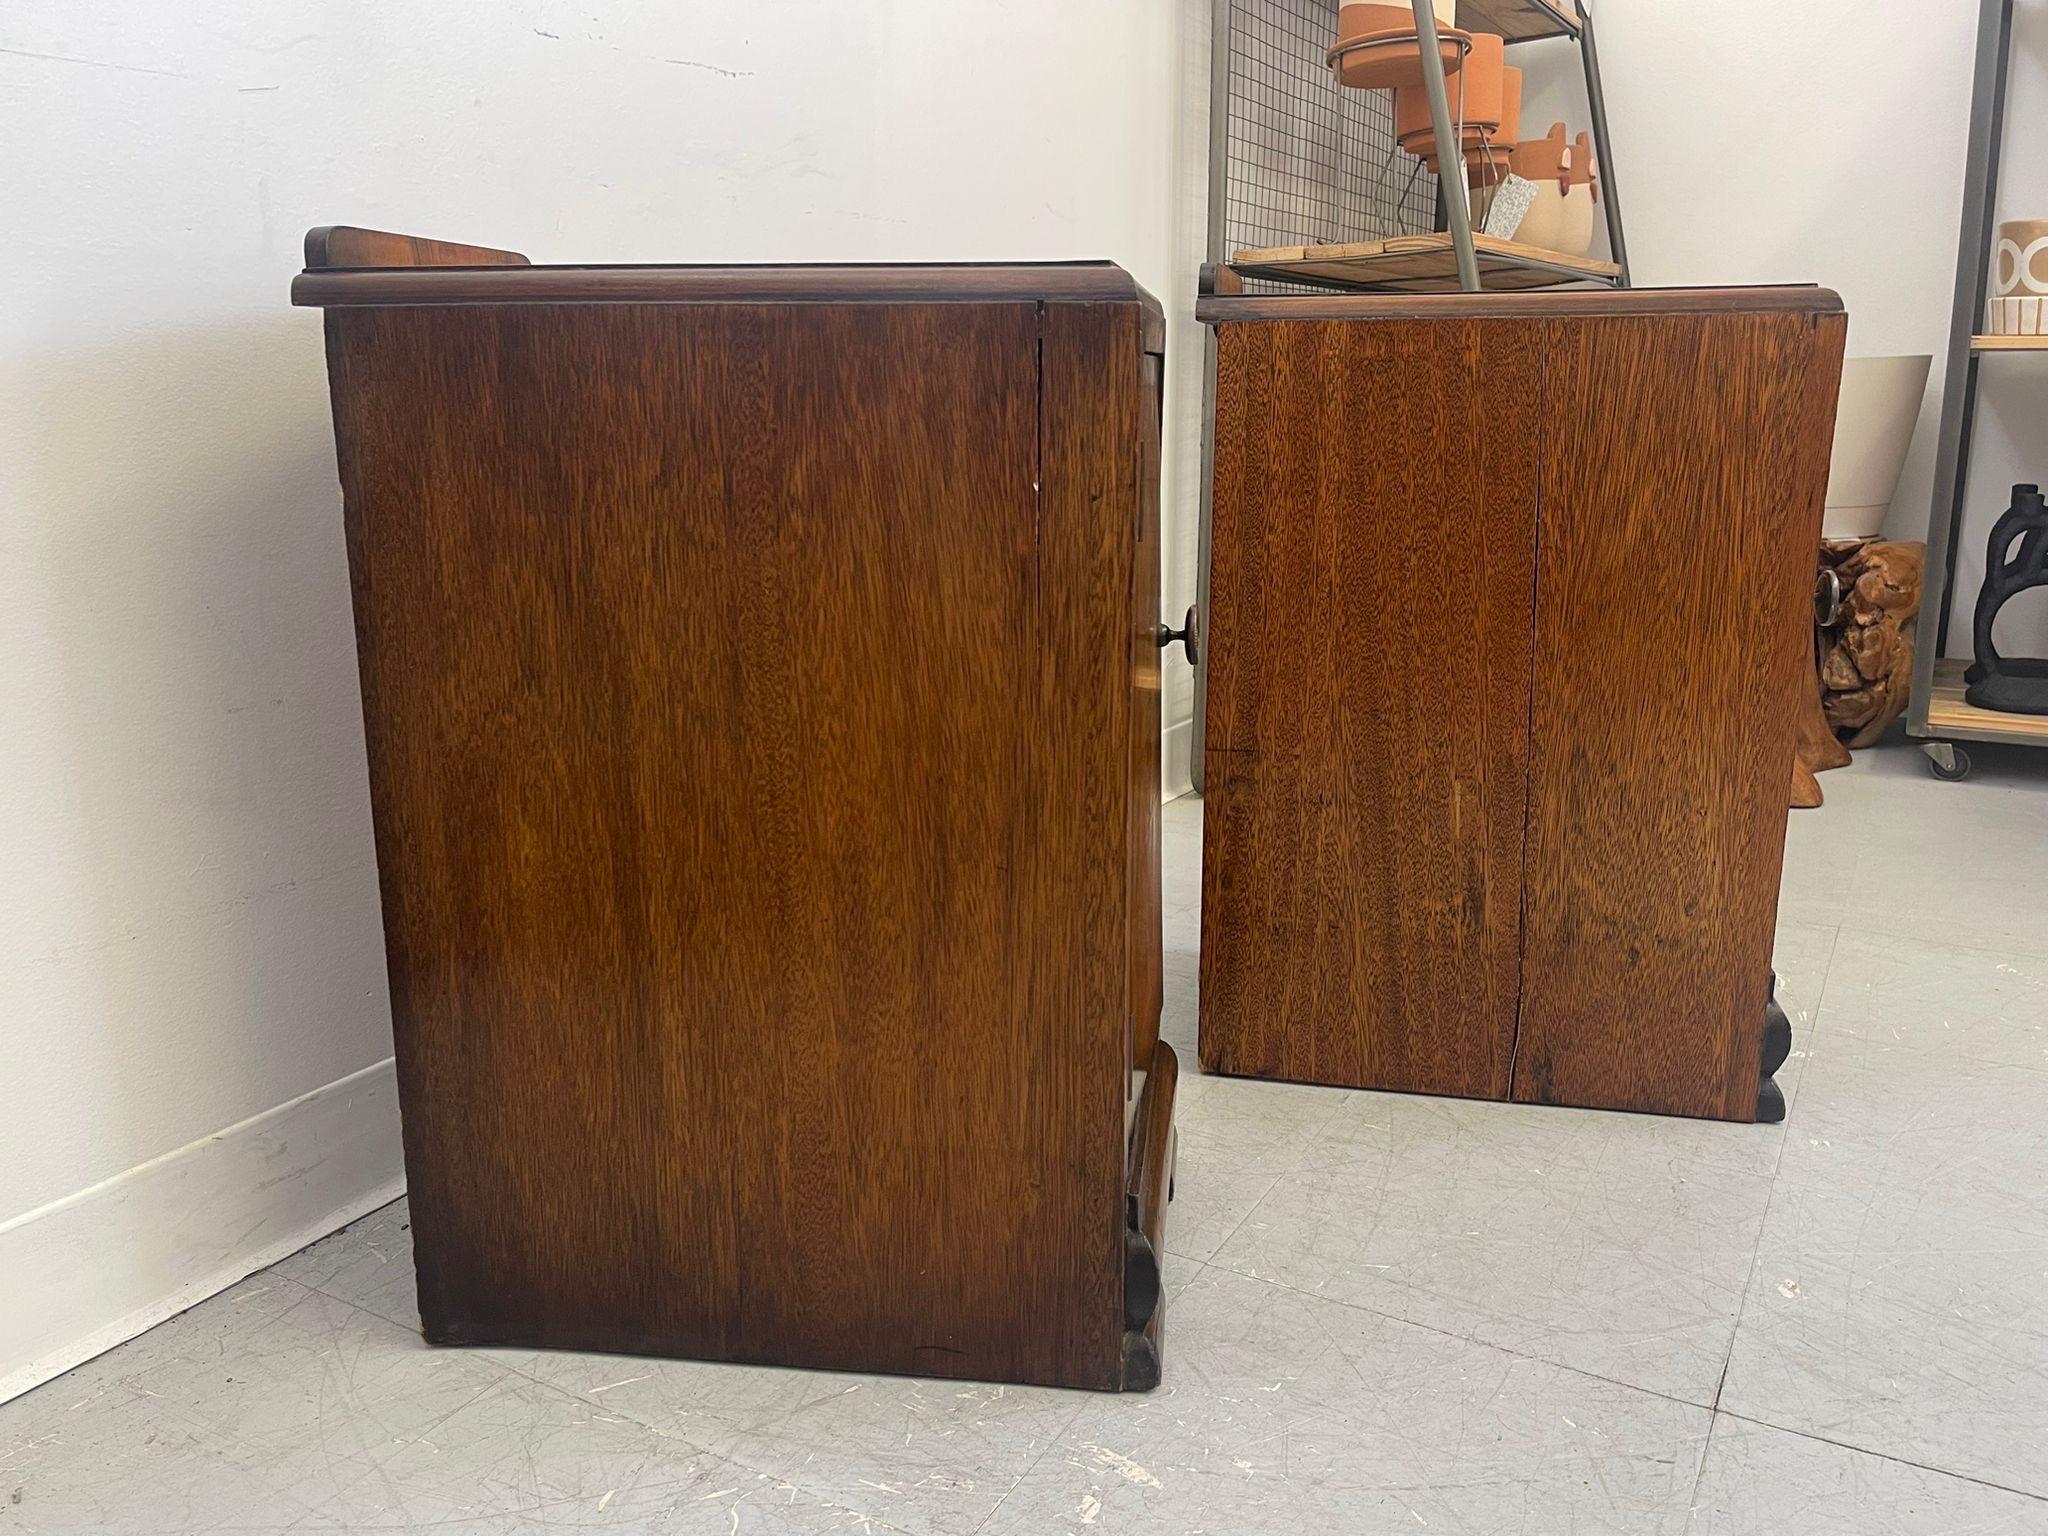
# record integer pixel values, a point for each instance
(1309, 162)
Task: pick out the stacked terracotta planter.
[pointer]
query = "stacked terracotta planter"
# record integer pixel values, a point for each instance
(1486, 111)
(1377, 49)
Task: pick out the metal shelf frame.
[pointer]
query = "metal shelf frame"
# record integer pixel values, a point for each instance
(1937, 718)
(1517, 21)
(1457, 197)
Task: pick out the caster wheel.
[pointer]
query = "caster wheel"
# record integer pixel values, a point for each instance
(1947, 762)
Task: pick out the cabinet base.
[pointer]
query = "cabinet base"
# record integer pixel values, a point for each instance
(1770, 1098)
(1149, 1186)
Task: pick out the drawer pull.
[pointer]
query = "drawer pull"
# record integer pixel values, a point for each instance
(1189, 635)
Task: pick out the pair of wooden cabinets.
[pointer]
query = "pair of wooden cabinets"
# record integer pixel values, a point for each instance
(761, 679)
(1509, 610)
(760, 673)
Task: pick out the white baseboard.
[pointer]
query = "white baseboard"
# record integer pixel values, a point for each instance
(1177, 760)
(87, 1272)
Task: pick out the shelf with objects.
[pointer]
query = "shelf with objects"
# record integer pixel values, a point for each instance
(2001, 306)
(1295, 202)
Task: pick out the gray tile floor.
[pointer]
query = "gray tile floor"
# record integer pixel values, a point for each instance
(1389, 1314)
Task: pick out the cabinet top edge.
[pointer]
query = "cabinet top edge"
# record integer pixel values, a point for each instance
(935, 283)
(1798, 299)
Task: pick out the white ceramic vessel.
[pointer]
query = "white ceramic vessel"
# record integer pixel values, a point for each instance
(1560, 219)
(2019, 280)
(1881, 398)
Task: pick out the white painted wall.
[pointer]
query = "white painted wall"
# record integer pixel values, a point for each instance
(1763, 141)
(189, 933)
(1185, 361)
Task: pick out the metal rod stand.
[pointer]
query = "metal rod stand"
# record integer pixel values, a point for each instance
(1450, 148)
(1596, 103)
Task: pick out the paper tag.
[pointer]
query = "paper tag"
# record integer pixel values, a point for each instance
(1511, 204)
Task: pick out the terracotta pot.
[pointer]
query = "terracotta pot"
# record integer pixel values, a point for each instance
(1544, 159)
(1486, 167)
(1390, 60)
(1363, 20)
(1579, 171)
(1475, 147)
(1510, 110)
(1376, 47)
(1477, 98)
(1487, 155)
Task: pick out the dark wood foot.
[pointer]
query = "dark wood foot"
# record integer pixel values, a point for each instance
(1141, 1361)
(1770, 1103)
(1770, 1098)
(1777, 1038)
(1148, 1186)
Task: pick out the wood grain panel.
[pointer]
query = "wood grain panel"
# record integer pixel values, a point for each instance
(1683, 482)
(747, 736)
(1221, 308)
(1374, 520)
(1147, 907)
(1078, 734)
(405, 283)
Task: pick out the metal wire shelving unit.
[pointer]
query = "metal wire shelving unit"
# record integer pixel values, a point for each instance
(1939, 714)
(1298, 191)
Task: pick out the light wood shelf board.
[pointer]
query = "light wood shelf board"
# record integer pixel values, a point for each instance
(1421, 264)
(1949, 715)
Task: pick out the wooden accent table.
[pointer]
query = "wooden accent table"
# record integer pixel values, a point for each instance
(760, 672)
(1510, 607)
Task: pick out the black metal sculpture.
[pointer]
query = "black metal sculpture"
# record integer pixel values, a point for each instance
(2015, 685)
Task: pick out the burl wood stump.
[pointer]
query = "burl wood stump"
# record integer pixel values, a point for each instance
(1863, 657)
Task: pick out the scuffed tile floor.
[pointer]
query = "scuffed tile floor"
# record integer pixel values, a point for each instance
(1387, 1313)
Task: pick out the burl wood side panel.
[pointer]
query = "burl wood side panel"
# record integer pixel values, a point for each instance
(747, 742)
(1683, 479)
(1374, 525)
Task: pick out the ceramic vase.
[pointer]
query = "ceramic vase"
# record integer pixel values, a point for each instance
(1563, 217)
(1544, 159)
(1561, 220)
(2019, 280)
(1874, 424)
